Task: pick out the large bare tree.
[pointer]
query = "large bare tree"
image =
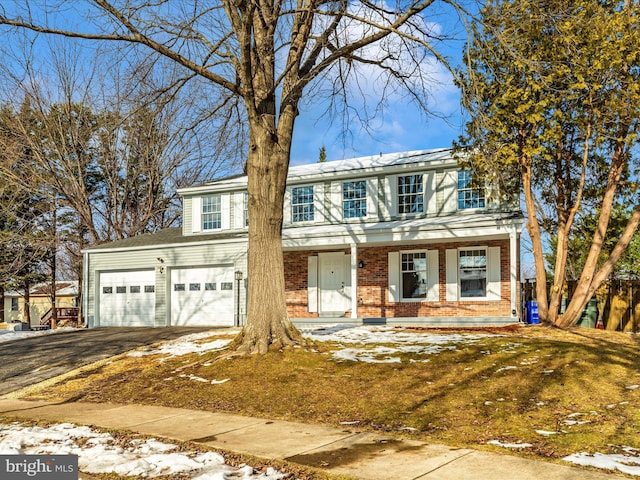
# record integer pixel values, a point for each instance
(265, 56)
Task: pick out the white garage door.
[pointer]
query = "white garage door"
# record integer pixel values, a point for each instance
(202, 296)
(127, 299)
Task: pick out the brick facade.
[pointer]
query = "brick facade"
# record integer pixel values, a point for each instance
(373, 285)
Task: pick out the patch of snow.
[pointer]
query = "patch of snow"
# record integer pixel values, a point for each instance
(624, 463)
(10, 335)
(417, 343)
(101, 453)
(510, 367)
(546, 433)
(509, 445)
(632, 387)
(187, 344)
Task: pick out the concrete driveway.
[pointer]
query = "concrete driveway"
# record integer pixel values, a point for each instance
(32, 360)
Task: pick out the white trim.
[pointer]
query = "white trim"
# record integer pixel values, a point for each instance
(394, 276)
(312, 284)
(196, 214)
(513, 271)
(452, 274)
(354, 280)
(286, 208)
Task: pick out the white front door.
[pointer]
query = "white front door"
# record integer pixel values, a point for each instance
(333, 283)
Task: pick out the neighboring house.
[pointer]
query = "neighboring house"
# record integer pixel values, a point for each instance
(39, 301)
(397, 238)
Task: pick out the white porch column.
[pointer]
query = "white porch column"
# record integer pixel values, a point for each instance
(513, 271)
(354, 281)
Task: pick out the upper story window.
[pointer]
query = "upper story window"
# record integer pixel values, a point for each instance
(211, 212)
(410, 194)
(245, 209)
(473, 273)
(354, 199)
(302, 204)
(414, 275)
(469, 195)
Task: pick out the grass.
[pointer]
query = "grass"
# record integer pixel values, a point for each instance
(506, 388)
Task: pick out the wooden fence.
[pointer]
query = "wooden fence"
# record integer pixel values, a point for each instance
(617, 303)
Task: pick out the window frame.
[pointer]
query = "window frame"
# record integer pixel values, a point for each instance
(469, 195)
(486, 273)
(210, 214)
(425, 281)
(401, 196)
(361, 200)
(306, 212)
(15, 304)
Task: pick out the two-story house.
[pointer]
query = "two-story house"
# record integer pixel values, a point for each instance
(396, 238)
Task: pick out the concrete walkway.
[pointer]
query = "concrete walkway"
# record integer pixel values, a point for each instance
(366, 456)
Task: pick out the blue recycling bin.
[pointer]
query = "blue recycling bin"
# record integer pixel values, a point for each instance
(531, 312)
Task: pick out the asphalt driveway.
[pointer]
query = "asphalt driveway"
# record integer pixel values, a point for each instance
(34, 359)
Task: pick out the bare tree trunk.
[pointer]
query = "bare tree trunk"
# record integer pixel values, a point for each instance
(536, 243)
(268, 322)
(27, 303)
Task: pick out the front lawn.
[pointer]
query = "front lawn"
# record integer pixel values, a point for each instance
(534, 390)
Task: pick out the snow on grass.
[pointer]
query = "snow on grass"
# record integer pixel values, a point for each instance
(509, 445)
(627, 462)
(192, 343)
(10, 335)
(385, 344)
(102, 453)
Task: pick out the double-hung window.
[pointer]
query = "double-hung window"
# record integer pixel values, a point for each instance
(469, 195)
(15, 306)
(473, 273)
(414, 275)
(410, 194)
(302, 204)
(354, 199)
(211, 212)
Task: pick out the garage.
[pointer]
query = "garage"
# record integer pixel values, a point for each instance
(202, 296)
(127, 298)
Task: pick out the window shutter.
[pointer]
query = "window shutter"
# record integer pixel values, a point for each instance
(318, 203)
(286, 217)
(433, 291)
(347, 281)
(238, 210)
(430, 194)
(389, 205)
(372, 197)
(196, 214)
(493, 273)
(450, 190)
(312, 284)
(225, 211)
(452, 274)
(334, 209)
(394, 276)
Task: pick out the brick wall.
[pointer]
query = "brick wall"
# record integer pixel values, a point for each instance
(373, 295)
